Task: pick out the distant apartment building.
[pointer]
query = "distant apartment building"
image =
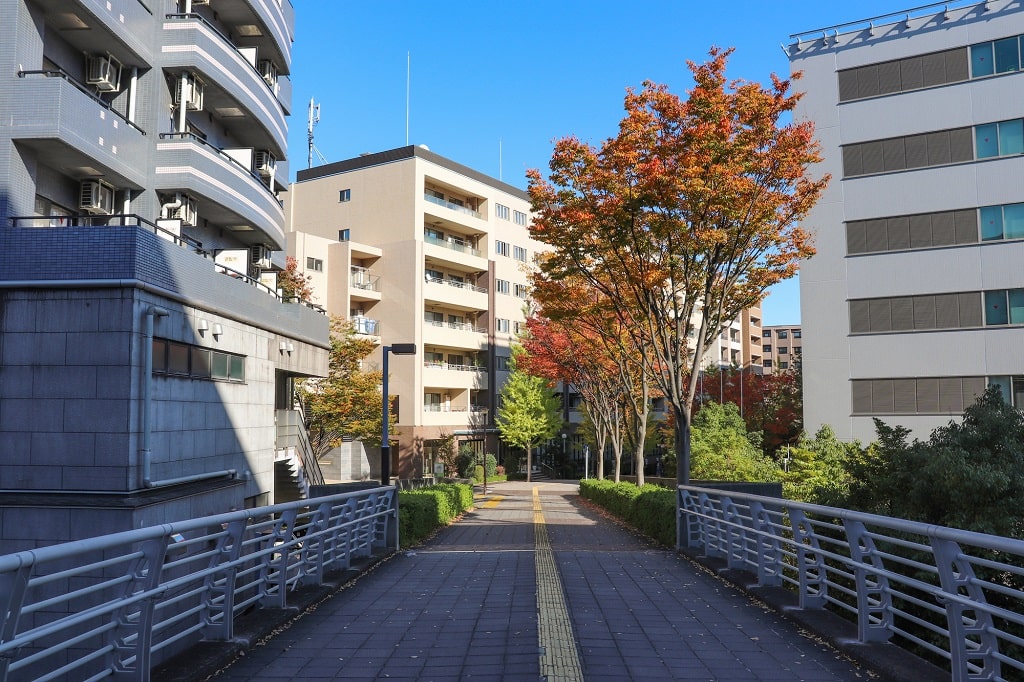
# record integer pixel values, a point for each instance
(738, 344)
(147, 361)
(413, 247)
(914, 303)
(781, 348)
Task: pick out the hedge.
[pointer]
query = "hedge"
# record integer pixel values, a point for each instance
(422, 511)
(650, 509)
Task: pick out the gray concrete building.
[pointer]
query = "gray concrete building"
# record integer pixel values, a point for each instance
(914, 303)
(146, 359)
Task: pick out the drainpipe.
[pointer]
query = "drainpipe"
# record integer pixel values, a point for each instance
(182, 107)
(147, 412)
(133, 93)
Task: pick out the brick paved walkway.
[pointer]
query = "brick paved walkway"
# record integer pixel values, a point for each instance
(531, 586)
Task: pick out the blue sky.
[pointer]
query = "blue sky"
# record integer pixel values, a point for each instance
(493, 84)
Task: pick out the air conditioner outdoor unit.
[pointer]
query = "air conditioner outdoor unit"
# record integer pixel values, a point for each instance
(268, 70)
(96, 197)
(264, 162)
(259, 256)
(187, 213)
(103, 71)
(191, 90)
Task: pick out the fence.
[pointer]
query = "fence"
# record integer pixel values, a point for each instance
(115, 605)
(945, 593)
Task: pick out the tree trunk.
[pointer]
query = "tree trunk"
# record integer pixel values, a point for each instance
(529, 463)
(682, 447)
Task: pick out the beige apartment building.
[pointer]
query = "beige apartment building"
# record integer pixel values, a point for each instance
(416, 248)
(782, 348)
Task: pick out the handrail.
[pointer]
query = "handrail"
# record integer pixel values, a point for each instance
(891, 15)
(61, 73)
(956, 594)
(459, 245)
(118, 604)
(456, 284)
(461, 326)
(453, 206)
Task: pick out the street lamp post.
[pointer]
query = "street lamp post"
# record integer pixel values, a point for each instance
(385, 445)
(586, 461)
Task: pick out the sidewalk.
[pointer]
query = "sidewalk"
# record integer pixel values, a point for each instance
(532, 586)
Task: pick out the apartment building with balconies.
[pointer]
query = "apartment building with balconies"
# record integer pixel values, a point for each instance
(781, 348)
(914, 302)
(147, 359)
(416, 248)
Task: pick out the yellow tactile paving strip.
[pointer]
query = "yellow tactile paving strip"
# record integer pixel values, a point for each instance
(559, 658)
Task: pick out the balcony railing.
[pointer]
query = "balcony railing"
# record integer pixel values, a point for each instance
(457, 284)
(453, 243)
(448, 204)
(61, 73)
(260, 180)
(438, 364)
(460, 326)
(444, 408)
(364, 325)
(361, 278)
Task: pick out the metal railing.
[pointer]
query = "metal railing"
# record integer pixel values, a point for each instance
(460, 326)
(452, 205)
(453, 243)
(362, 278)
(224, 156)
(944, 593)
(114, 605)
(458, 284)
(84, 89)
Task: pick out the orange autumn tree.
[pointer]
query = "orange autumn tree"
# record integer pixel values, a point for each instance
(684, 218)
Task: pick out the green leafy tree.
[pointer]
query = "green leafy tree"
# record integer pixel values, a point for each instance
(967, 475)
(529, 411)
(347, 402)
(294, 284)
(721, 449)
(818, 468)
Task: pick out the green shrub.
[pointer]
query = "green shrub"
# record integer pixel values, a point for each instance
(650, 509)
(422, 511)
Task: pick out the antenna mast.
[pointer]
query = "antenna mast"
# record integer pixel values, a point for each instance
(314, 118)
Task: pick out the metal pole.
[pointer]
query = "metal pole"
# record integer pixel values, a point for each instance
(385, 446)
(586, 461)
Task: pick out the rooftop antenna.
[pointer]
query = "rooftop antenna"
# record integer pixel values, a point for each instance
(408, 80)
(314, 118)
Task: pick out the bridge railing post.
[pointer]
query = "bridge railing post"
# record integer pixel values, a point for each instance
(874, 599)
(810, 562)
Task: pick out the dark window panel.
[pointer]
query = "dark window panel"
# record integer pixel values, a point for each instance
(882, 396)
(961, 145)
(933, 67)
(899, 233)
(917, 151)
(924, 312)
(969, 305)
(920, 231)
(902, 311)
(943, 228)
(860, 390)
(852, 160)
(872, 157)
(848, 89)
(867, 81)
(938, 148)
(905, 396)
(947, 311)
(927, 396)
(951, 397)
(876, 237)
(860, 321)
(894, 154)
(880, 313)
(889, 78)
(911, 73)
(966, 223)
(956, 61)
(855, 237)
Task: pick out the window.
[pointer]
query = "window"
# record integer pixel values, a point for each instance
(767, 333)
(433, 275)
(517, 328)
(343, 235)
(796, 333)
(766, 348)
(501, 248)
(902, 75)
(783, 350)
(519, 253)
(783, 364)
(315, 264)
(766, 363)
(501, 211)
(783, 334)
(433, 318)
(502, 286)
(431, 402)
(522, 291)
(1004, 306)
(924, 395)
(1000, 56)
(1012, 389)
(905, 313)
(1005, 138)
(345, 195)
(501, 325)
(1002, 222)
(186, 360)
(519, 218)
(502, 362)
(798, 350)
(433, 235)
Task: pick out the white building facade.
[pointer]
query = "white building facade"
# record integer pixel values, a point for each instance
(914, 303)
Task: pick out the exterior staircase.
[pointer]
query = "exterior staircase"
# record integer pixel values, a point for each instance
(295, 467)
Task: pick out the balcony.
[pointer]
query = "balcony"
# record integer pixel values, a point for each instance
(364, 285)
(73, 129)
(238, 98)
(450, 376)
(365, 326)
(453, 243)
(452, 206)
(234, 194)
(454, 250)
(463, 335)
(117, 27)
(455, 294)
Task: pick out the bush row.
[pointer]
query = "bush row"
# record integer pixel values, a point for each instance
(422, 511)
(650, 509)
